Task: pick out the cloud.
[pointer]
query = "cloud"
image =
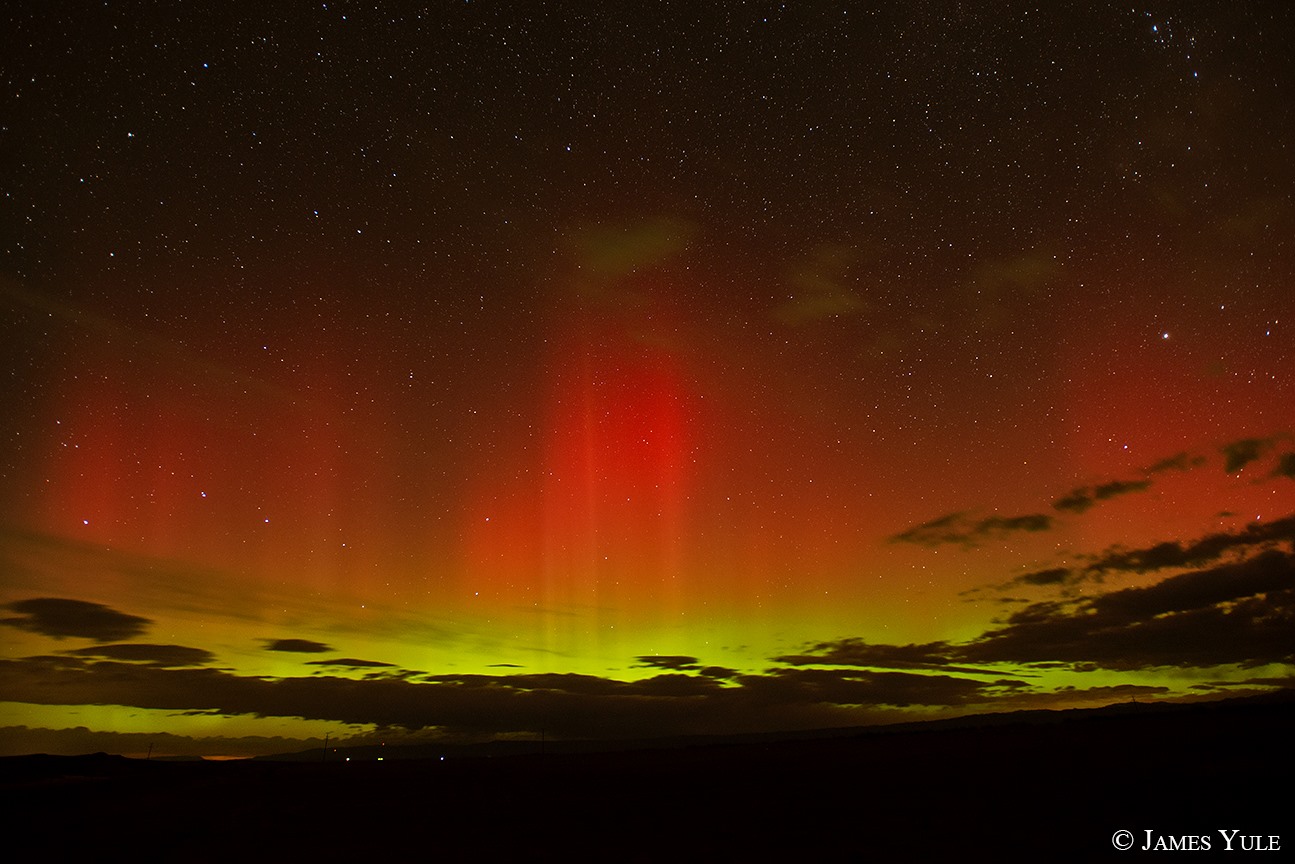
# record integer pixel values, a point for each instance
(1052, 576)
(1268, 571)
(1025, 273)
(1172, 554)
(607, 257)
(853, 651)
(301, 646)
(1069, 695)
(561, 705)
(1085, 497)
(854, 687)
(678, 662)
(1177, 462)
(957, 528)
(572, 706)
(997, 289)
(1240, 613)
(154, 655)
(1236, 614)
(1238, 454)
(1285, 466)
(616, 251)
(1002, 525)
(1208, 548)
(60, 618)
(950, 528)
(818, 287)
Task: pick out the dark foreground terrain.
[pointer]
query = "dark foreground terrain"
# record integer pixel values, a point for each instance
(1050, 787)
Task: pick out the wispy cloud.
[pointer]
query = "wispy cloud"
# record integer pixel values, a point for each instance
(1081, 499)
(958, 528)
(819, 287)
(1178, 462)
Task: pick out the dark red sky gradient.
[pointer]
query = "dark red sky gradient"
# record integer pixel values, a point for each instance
(591, 359)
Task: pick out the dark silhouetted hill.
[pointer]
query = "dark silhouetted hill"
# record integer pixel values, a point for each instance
(1038, 786)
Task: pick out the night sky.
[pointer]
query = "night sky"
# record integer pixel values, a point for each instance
(462, 370)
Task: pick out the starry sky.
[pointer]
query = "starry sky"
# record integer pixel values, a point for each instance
(471, 370)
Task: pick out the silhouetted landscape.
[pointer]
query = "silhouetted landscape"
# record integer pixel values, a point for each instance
(1039, 785)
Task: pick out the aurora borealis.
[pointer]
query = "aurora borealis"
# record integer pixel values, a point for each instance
(471, 369)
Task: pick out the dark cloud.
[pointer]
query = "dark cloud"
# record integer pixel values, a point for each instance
(1285, 466)
(1161, 556)
(1241, 613)
(300, 646)
(573, 706)
(1004, 524)
(1238, 613)
(401, 674)
(855, 687)
(957, 528)
(563, 705)
(1284, 682)
(1238, 454)
(1052, 576)
(856, 652)
(945, 529)
(1177, 462)
(1081, 499)
(678, 662)
(1202, 551)
(1269, 571)
(676, 685)
(155, 655)
(1068, 695)
(60, 618)
(1076, 501)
